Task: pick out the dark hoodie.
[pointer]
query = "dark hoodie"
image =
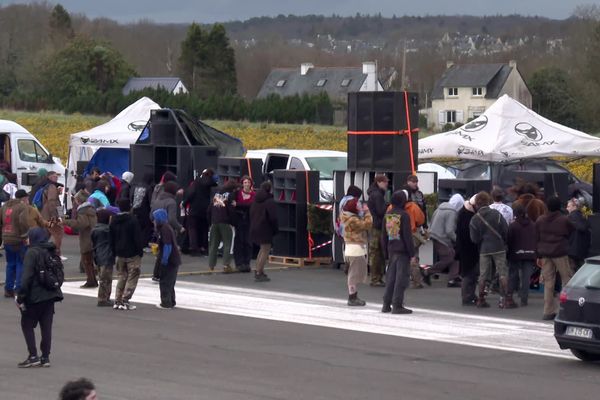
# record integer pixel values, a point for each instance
(580, 240)
(553, 230)
(521, 240)
(376, 204)
(103, 252)
(396, 232)
(125, 236)
(263, 218)
(221, 210)
(198, 195)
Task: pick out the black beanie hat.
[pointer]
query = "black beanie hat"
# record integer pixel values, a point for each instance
(354, 191)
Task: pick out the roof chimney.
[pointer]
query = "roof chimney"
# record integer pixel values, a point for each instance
(449, 64)
(305, 67)
(512, 63)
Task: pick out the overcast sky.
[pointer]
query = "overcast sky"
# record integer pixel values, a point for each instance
(226, 10)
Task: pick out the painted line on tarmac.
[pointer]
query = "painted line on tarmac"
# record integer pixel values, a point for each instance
(536, 338)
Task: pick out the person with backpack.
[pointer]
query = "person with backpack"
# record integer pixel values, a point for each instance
(127, 246)
(42, 181)
(263, 227)
(103, 257)
(140, 206)
(42, 278)
(197, 199)
(85, 222)
(14, 227)
(168, 258)
(398, 247)
(47, 199)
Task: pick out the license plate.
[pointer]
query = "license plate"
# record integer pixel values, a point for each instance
(579, 332)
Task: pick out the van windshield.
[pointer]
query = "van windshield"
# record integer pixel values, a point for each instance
(326, 165)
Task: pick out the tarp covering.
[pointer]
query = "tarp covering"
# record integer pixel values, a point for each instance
(509, 131)
(113, 160)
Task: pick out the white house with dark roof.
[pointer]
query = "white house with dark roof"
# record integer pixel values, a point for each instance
(337, 82)
(173, 85)
(465, 91)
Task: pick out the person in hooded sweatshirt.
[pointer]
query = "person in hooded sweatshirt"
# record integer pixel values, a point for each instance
(377, 206)
(553, 231)
(397, 243)
(127, 246)
(488, 230)
(417, 220)
(102, 188)
(442, 231)
(103, 257)
(85, 222)
(357, 221)
(126, 180)
(35, 301)
(166, 200)
(521, 256)
(141, 193)
(168, 258)
(468, 253)
(221, 214)
(263, 227)
(580, 239)
(197, 199)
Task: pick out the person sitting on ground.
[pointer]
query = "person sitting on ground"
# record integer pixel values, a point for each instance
(357, 222)
(81, 389)
(263, 227)
(581, 238)
(398, 248)
(443, 234)
(498, 205)
(168, 259)
(521, 256)
(103, 257)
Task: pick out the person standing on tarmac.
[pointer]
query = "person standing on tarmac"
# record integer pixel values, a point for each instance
(377, 208)
(168, 258)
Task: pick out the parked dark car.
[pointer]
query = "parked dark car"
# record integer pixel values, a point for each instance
(577, 326)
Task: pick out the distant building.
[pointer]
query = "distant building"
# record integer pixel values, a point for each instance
(171, 84)
(337, 82)
(465, 91)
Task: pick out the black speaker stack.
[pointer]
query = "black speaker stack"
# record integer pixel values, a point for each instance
(234, 168)
(292, 191)
(465, 187)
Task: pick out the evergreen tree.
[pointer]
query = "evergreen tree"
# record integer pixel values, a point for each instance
(61, 28)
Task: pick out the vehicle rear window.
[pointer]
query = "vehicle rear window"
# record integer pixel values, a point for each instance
(588, 276)
(326, 165)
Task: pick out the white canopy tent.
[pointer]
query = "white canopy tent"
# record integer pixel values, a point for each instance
(509, 131)
(118, 133)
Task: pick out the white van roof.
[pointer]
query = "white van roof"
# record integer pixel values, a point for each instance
(298, 153)
(7, 126)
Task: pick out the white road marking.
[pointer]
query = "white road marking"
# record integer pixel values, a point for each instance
(425, 324)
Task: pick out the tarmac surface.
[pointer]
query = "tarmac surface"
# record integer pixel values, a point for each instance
(291, 338)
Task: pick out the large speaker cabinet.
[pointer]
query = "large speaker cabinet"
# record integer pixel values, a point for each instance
(235, 168)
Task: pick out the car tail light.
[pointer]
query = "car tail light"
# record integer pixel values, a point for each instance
(563, 297)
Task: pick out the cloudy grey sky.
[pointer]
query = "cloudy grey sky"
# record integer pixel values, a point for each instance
(226, 10)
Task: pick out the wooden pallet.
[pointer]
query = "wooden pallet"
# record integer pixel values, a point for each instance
(299, 261)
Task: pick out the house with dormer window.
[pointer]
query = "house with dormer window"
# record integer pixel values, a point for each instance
(465, 91)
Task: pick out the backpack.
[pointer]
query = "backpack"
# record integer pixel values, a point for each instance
(38, 197)
(139, 192)
(51, 275)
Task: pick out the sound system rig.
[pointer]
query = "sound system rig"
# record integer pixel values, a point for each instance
(465, 187)
(234, 168)
(165, 145)
(551, 183)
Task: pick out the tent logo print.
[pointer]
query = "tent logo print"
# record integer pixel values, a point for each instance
(137, 125)
(529, 131)
(84, 140)
(476, 125)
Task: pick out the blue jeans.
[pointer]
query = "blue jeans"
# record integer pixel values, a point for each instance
(14, 266)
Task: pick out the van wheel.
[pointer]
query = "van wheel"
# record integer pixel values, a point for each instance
(585, 355)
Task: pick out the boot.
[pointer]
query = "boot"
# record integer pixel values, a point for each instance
(416, 276)
(481, 303)
(400, 309)
(91, 281)
(354, 301)
(387, 307)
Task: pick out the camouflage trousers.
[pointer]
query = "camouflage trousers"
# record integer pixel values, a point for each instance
(376, 261)
(128, 270)
(105, 277)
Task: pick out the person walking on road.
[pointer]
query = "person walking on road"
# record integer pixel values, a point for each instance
(443, 234)
(357, 222)
(521, 255)
(103, 257)
(399, 249)
(127, 246)
(377, 207)
(168, 258)
(468, 253)
(85, 222)
(14, 227)
(242, 247)
(263, 226)
(553, 231)
(36, 300)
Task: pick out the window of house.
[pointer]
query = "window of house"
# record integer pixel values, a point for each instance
(452, 91)
(321, 82)
(451, 116)
(477, 91)
(346, 82)
(281, 83)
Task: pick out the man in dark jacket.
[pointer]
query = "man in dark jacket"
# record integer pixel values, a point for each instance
(488, 229)
(521, 255)
(377, 206)
(126, 180)
(415, 195)
(14, 227)
(553, 231)
(103, 257)
(85, 222)
(35, 300)
(468, 253)
(168, 258)
(140, 206)
(126, 243)
(221, 214)
(581, 238)
(263, 226)
(398, 247)
(197, 198)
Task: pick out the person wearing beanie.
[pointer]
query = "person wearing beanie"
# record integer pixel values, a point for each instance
(264, 225)
(104, 256)
(36, 301)
(126, 243)
(468, 253)
(34, 218)
(50, 206)
(398, 248)
(417, 220)
(14, 227)
(84, 223)
(168, 258)
(357, 222)
(166, 200)
(126, 180)
(553, 231)
(377, 206)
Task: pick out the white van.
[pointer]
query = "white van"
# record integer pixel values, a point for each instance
(24, 155)
(324, 161)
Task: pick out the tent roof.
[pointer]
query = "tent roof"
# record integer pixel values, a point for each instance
(509, 131)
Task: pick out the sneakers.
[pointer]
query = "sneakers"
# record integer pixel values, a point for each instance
(227, 269)
(45, 362)
(386, 308)
(161, 307)
(454, 284)
(124, 306)
(401, 310)
(105, 303)
(155, 279)
(261, 278)
(32, 361)
(89, 286)
(116, 306)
